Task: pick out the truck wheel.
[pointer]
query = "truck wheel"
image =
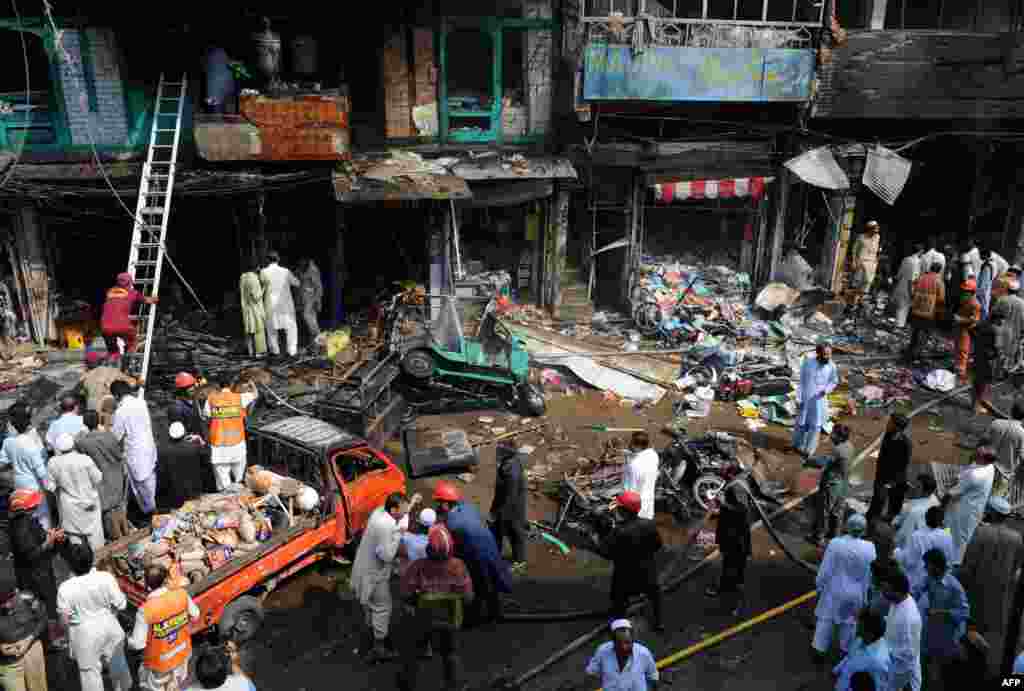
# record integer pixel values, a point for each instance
(241, 619)
(418, 364)
(531, 400)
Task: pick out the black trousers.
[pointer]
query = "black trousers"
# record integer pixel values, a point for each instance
(828, 514)
(486, 598)
(445, 642)
(734, 569)
(881, 498)
(620, 602)
(515, 532)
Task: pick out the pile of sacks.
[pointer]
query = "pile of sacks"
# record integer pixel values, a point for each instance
(206, 533)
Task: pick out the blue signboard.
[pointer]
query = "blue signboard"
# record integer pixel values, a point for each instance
(675, 73)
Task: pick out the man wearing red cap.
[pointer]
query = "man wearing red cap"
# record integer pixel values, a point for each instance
(116, 321)
(631, 547)
(966, 319)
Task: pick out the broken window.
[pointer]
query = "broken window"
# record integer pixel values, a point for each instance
(983, 16)
(470, 76)
(32, 122)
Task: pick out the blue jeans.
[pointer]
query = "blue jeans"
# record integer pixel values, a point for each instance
(805, 439)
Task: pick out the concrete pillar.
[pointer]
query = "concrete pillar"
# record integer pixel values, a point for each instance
(555, 241)
(537, 67)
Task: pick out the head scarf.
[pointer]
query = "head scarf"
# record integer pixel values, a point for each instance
(428, 517)
(124, 280)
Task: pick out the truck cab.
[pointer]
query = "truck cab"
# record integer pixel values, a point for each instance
(354, 478)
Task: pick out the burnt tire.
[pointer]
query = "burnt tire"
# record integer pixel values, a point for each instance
(531, 400)
(241, 620)
(418, 364)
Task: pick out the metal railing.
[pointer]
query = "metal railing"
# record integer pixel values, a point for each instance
(700, 33)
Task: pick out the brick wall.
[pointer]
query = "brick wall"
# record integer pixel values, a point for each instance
(108, 124)
(919, 75)
(398, 96)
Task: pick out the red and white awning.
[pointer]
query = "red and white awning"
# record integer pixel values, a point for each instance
(711, 189)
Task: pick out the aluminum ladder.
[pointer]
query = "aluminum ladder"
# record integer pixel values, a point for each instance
(146, 255)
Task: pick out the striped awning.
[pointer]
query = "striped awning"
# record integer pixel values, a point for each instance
(711, 189)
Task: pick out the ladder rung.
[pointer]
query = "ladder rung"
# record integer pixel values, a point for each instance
(146, 263)
(163, 146)
(152, 210)
(161, 131)
(146, 245)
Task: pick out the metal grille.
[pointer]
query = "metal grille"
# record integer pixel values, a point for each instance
(700, 33)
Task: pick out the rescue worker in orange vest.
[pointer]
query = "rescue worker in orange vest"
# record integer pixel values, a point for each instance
(162, 633)
(966, 319)
(226, 410)
(928, 301)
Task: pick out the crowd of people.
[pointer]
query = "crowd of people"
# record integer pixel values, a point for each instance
(97, 470)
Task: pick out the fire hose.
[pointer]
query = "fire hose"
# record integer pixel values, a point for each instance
(674, 583)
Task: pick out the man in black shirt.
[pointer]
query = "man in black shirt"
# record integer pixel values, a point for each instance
(22, 622)
(733, 537)
(891, 470)
(631, 548)
(181, 466)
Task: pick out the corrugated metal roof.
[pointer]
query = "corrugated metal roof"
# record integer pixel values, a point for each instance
(311, 432)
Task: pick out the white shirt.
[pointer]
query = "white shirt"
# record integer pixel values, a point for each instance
(640, 475)
(903, 634)
(92, 596)
(140, 634)
(277, 296)
(911, 518)
(375, 558)
(636, 675)
(133, 427)
(71, 423)
(971, 263)
(76, 475)
(911, 557)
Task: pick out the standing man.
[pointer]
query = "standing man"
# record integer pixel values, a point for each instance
(22, 624)
(116, 321)
(508, 510)
(24, 451)
(312, 296)
(992, 267)
(908, 273)
(842, 583)
(34, 548)
(1007, 438)
(953, 278)
(133, 428)
(226, 411)
(891, 470)
(475, 545)
(8, 322)
(184, 409)
(632, 547)
(1014, 307)
(102, 447)
(833, 486)
(435, 591)
(869, 653)
(927, 307)
(371, 578)
(623, 664)
(88, 604)
(932, 536)
(69, 422)
(818, 378)
(966, 501)
(181, 463)
(732, 534)
(253, 322)
(162, 633)
(641, 472)
(903, 633)
(912, 518)
(933, 256)
(864, 260)
(970, 259)
(944, 613)
(76, 481)
(989, 573)
(989, 342)
(966, 320)
(279, 306)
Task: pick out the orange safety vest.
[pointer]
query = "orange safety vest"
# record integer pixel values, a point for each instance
(169, 644)
(227, 418)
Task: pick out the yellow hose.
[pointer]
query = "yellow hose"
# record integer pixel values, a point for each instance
(730, 632)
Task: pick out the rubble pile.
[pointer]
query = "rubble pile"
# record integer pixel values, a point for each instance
(19, 372)
(208, 532)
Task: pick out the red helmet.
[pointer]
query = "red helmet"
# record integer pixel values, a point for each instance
(970, 285)
(25, 499)
(446, 491)
(630, 501)
(184, 380)
(440, 544)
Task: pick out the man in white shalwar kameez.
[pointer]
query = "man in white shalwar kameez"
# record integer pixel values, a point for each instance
(641, 473)
(133, 427)
(371, 577)
(842, 584)
(818, 378)
(911, 556)
(280, 307)
(902, 292)
(77, 481)
(903, 633)
(912, 517)
(965, 502)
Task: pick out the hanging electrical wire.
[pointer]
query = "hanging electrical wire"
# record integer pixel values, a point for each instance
(28, 98)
